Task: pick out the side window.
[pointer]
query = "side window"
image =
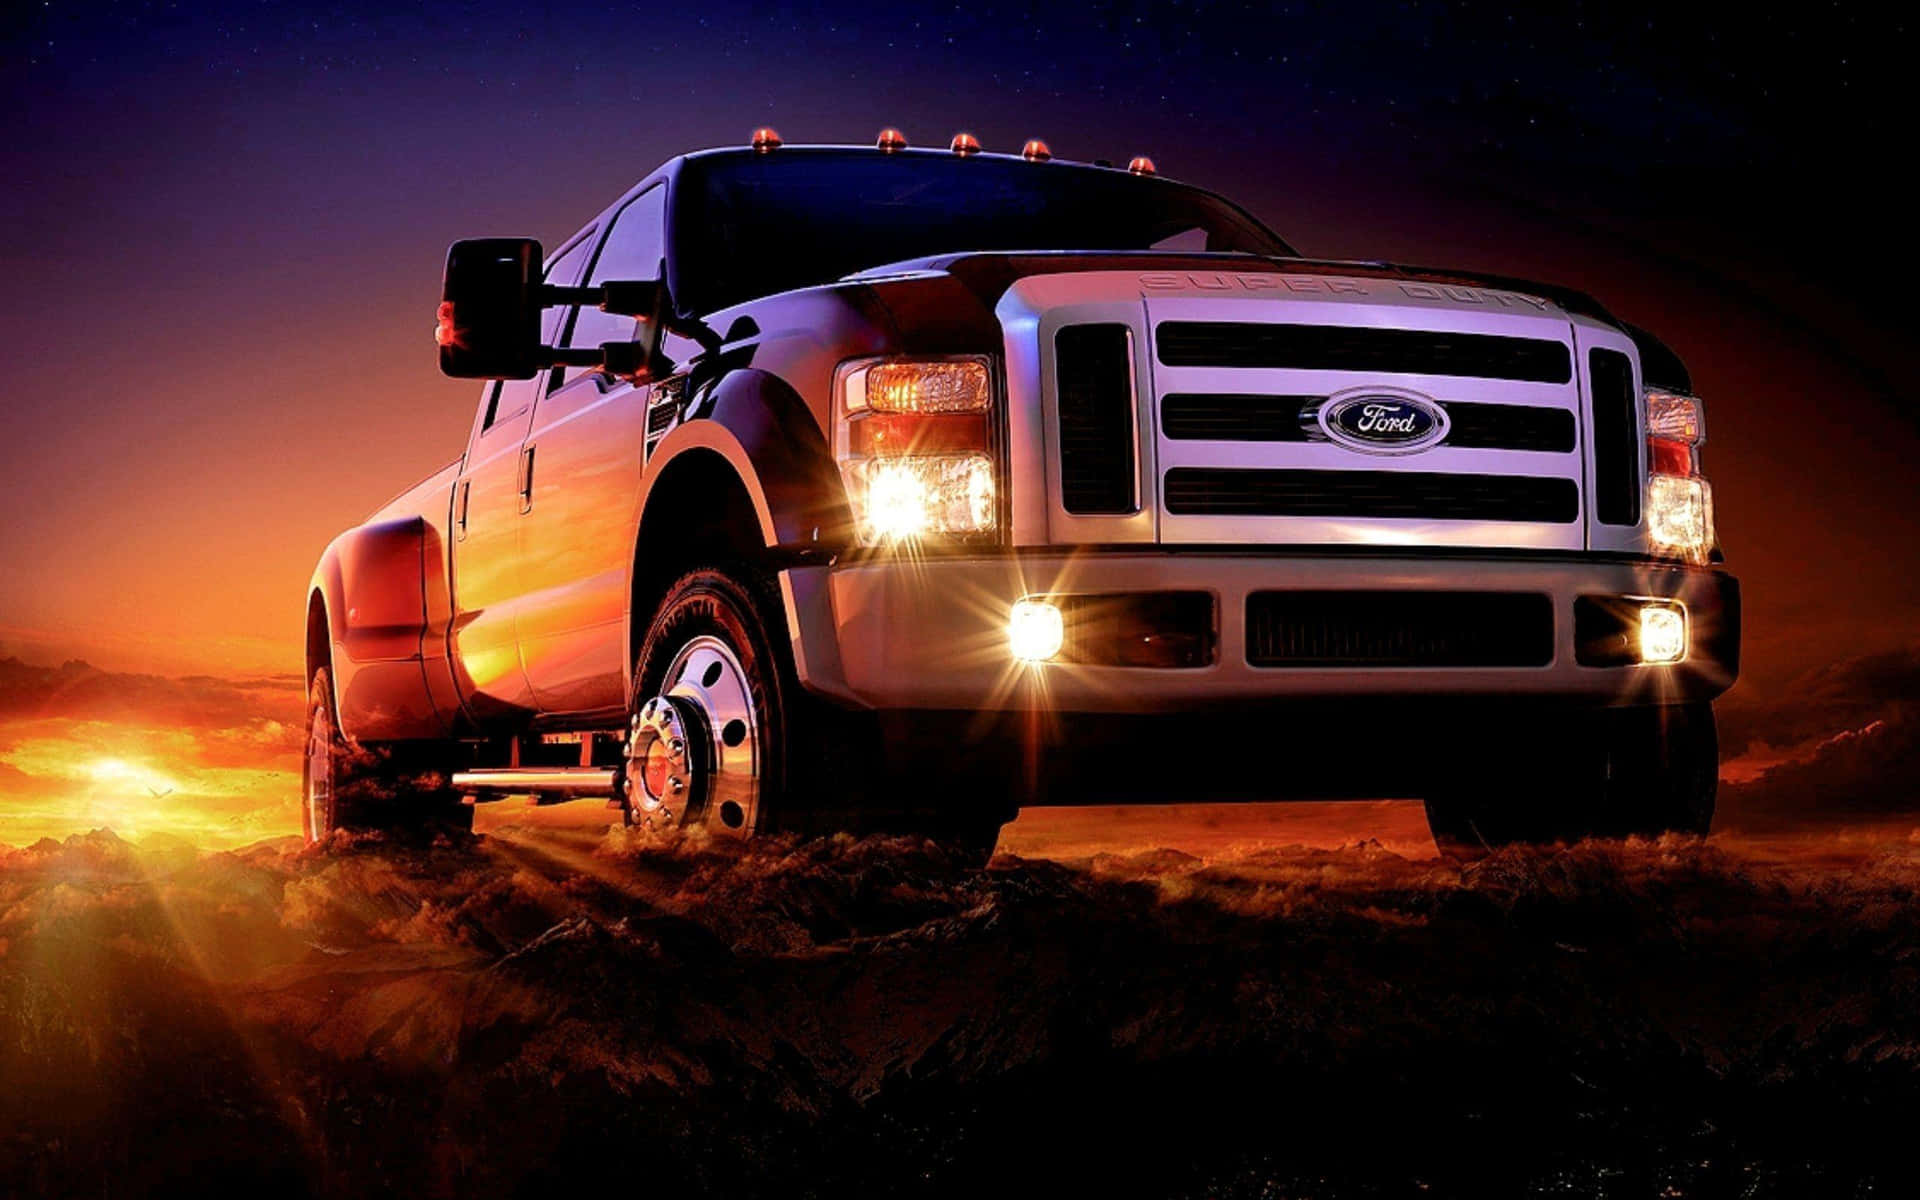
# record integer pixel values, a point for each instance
(510, 396)
(633, 250)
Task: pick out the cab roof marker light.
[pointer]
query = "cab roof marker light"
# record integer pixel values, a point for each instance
(1035, 151)
(1141, 165)
(890, 140)
(965, 144)
(766, 138)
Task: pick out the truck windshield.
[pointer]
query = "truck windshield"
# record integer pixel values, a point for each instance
(752, 225)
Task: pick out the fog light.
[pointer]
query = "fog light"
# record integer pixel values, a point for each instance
(1663, 633)
(1035, 631)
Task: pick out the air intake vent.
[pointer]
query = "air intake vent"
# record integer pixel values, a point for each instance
(1262, 418)
(1616, 439)
(1238, 418)
(1355, 348)
(1226, 491)
(1510, 427)
(1399, 629)
(1097, 440)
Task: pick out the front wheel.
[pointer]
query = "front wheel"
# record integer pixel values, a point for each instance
(715, 711)
(724, 737)
(1620, 773)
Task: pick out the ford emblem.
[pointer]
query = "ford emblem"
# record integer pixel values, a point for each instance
(1376, 421)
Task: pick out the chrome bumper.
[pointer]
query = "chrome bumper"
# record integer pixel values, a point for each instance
(931, 634)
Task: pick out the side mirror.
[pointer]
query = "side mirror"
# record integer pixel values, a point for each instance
(489, 321)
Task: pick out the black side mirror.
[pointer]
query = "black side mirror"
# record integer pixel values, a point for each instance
(490, 305)
(489, 320)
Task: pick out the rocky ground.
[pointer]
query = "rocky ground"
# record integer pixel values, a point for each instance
(535, 1009)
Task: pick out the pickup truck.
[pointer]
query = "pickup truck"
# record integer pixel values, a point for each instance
(846, 487)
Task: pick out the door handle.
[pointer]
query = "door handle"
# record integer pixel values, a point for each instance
(460, 516)
(526, 479)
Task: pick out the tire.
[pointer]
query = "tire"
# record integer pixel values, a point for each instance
(1638, 772)
(346, 786)
(710, 676)
(759, 754)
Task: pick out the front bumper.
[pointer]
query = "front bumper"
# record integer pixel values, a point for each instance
(932, 633)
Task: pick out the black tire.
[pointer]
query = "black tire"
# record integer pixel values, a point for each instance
(818, 765)
(735, 608)
(345, 786)
(1642, 772)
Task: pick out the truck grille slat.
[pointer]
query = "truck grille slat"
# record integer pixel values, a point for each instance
(1096, 406)
(1266, 418)
(1359, 348)
(1227, 491)
(1616, 439)
(1399, 629)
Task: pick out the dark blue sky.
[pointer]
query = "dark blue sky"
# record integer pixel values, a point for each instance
(225, 225)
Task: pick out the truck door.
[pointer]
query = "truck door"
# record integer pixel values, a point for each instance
(488, 500)
(586, 449)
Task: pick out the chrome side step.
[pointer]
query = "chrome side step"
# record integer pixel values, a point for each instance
(554, 782)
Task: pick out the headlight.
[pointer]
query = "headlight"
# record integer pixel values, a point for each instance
(1676, 417)
(914, 440)
(1679, 508)
(1680, 516)
(941, 386)
(895, 499)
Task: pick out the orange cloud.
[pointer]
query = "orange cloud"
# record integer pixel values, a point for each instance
(215, 761)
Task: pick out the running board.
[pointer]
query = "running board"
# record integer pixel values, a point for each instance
(555, 782)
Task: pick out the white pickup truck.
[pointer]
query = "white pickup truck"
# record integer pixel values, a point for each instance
(880, 487)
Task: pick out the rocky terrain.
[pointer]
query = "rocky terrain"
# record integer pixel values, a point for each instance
(533, 1009)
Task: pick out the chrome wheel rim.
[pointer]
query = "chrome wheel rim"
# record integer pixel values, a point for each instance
(694, 753)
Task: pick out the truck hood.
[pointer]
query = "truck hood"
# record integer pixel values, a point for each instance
(989, 274)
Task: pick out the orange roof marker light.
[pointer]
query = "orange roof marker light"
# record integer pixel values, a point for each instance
(890, 139)
(1035, 151)
(965, 144)
(1141, 165)
(766, 138)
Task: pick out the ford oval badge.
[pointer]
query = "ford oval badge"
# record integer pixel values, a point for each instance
(1377, 421)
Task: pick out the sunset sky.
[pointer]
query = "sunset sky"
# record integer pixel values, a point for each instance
(226, 224)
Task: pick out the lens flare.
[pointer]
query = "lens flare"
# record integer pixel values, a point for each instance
(1035, 630)
(1663, 633)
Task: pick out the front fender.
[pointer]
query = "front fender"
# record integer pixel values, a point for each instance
(767, 433)
(372, 583)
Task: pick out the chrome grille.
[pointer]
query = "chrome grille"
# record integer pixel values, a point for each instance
(1204, 491)
(1254, 418)
(1359, 348)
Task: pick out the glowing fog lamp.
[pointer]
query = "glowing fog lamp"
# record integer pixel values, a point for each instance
(1680, 516)
(1663, 632)
(1035, 630)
